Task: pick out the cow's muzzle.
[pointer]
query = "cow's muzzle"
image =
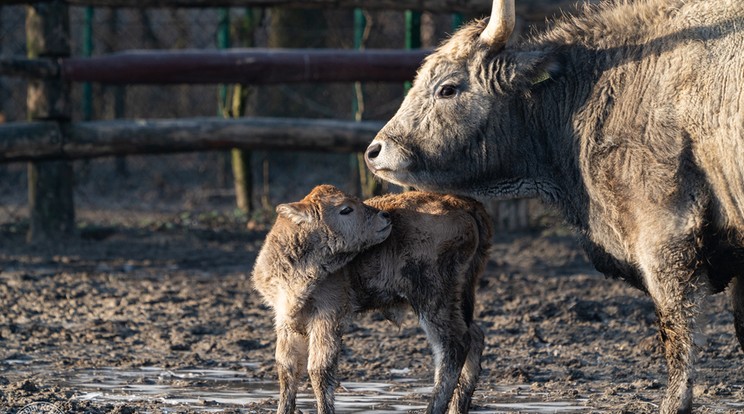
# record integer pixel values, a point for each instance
(370, 155)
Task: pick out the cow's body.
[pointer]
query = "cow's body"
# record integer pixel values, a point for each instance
(638, 137)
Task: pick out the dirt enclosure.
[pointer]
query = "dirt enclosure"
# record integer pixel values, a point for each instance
(159, 316)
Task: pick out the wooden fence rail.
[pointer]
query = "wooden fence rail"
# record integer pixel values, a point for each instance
(29, 68)
(438, 6)
(18, 140)
(50, 140)
(249, 66)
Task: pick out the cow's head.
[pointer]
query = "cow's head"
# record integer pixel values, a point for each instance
(458, 119)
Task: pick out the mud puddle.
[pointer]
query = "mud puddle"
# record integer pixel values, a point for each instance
(215, 390)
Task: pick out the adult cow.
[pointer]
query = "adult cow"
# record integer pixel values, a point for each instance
(629, 118)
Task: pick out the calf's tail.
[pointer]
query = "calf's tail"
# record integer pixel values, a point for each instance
(737, 300)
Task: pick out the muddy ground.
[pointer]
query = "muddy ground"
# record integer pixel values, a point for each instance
(139, 308)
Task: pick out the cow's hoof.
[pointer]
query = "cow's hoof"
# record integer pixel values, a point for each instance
(673, 405)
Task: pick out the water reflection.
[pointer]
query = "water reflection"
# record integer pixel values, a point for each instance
(214, 390)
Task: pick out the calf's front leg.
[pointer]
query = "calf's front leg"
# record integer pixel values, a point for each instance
(324, 349)
(291, 352)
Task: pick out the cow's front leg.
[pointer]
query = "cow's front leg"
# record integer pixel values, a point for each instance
(676, 282)
(737, 302)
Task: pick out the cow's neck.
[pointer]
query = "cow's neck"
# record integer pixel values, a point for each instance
(550, 122)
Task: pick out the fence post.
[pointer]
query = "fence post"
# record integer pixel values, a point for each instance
(50, 183)
(114, 93)
(87, 52)
(3, 90)
(412, 41)
(413, 34)
(457, 21)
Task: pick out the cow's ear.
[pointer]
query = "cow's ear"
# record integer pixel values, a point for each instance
(297, 212)
(534, 67)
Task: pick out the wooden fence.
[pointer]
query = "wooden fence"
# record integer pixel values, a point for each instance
(50, 138)
(439, 6)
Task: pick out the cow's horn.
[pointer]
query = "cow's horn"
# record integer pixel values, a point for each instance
(501, 24)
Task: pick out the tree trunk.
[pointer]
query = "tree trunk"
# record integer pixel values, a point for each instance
(241, 159)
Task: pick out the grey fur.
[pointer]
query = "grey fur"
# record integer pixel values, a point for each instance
(637, 137)
(434, 254)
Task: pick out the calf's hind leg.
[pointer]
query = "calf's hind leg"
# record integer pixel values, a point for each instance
(450, 342)
(470, 373)
(737, 300)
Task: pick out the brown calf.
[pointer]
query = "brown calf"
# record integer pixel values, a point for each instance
(330, 255)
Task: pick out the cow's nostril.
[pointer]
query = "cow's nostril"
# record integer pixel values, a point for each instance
(373, 150)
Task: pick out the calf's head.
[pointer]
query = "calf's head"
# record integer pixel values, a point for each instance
(459, 123)
(342, 223)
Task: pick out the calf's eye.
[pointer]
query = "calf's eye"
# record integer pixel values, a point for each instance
(346, 210)
(446, 91)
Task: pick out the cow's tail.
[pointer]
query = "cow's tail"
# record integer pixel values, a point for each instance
(737, 299)
(478, 262)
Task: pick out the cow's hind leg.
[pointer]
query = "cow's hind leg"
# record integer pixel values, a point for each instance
(676, 326)
(470, 373)
(676, 283)
(737, 300)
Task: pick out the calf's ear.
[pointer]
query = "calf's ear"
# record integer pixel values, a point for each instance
(298, 212)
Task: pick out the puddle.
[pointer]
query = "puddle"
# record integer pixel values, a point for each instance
(214, 390)
(540, 407)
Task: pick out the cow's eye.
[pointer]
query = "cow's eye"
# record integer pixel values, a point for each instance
(346, 210)
(446, 91)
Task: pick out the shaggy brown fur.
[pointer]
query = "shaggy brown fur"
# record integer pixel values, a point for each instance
(637, 135)
(431, 260)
